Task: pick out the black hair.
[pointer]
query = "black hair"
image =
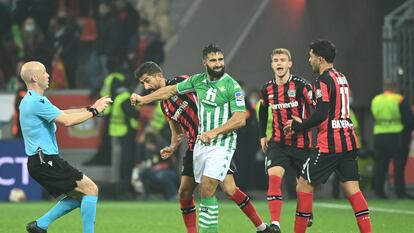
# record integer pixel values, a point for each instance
(148, 68)
(211, 48)
(324, 48)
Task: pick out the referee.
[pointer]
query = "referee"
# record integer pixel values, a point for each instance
(37, 119)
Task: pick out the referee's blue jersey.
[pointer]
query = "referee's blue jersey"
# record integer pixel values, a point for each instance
(36, 120)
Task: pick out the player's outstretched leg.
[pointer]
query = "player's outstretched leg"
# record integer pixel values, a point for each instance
(359, 205)
(62, 207)
(243, 201)
(187, 204)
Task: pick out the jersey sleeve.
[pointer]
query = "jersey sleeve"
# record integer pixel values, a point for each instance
(187, 85)
(263, 98)
(308, 94)
(237, 103)
(322, 91)
(46, 110)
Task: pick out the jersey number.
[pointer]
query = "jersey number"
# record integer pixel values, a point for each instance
(344, 91)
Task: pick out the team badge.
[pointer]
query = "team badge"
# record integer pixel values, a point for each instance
(291, 93)
(318, 93)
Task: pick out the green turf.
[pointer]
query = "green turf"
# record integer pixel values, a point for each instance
(148, 217)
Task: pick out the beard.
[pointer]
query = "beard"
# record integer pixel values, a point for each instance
(315, 68)
(215, 74)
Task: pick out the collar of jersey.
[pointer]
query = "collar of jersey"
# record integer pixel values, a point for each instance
(222, 77)
(34, 93)
(290, 78)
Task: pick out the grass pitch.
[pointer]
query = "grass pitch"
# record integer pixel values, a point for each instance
(331, 216)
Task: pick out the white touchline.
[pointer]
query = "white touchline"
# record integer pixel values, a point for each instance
(374, 209)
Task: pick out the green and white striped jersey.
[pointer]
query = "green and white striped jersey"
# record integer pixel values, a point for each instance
(217, 100)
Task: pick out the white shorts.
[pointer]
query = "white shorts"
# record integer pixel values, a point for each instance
(211, 161)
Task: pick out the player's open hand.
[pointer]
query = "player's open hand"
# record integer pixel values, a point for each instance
(102, 103)
(136, 99)
(263, 144)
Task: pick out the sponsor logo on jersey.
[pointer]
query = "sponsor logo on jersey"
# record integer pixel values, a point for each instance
(285, 105)
(180, 110)
(211, 94)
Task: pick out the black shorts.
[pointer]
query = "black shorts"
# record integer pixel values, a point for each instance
(286, 156)
(55, 175)
(320, 166)
(187, 169)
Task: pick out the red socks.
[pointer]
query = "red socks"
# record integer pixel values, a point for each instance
(303, 211)
(360, 207)
(188, 211)
(246, 206)
(274, 197)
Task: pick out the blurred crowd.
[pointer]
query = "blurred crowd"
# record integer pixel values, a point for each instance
(80, 41)
(97, 44)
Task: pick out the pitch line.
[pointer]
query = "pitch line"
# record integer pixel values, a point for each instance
(375, 209)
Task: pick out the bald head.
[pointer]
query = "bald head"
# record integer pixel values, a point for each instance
(31, 69)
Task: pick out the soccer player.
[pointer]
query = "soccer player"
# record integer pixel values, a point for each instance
(37, 119)
(337, 142)
(286, 95)
(221, 110)
(181, 112)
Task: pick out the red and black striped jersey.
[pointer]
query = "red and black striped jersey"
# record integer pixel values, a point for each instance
(294, 98)
(336, 133)
(183, 109)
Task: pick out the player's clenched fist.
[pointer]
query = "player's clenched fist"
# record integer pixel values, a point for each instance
(136, 99)
(167, 151)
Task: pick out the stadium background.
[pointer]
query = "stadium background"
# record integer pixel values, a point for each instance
(247, 31)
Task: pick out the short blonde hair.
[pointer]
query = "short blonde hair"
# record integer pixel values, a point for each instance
(281, 51)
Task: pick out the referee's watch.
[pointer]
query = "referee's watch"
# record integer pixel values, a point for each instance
(94, 111)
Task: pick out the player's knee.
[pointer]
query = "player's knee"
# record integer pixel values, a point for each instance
(229, 189)
(304, 186)
(185, 192)
(207, 190)
(93, 189)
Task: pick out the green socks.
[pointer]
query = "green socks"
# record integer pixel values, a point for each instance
(208, 215)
